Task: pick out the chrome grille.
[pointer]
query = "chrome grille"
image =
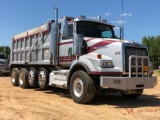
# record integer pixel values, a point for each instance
(134, 51)
(1, 62)
(139, 64)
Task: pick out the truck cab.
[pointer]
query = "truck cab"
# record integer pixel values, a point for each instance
(4, 65)
(111, 62)
(90, 30)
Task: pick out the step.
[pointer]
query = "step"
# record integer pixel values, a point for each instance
(59, 83)
(58, 78)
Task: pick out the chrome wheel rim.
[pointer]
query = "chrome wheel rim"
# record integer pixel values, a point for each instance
(13, 80)
(31, 77)
(41, 78)
(20, 81)
(78, 87)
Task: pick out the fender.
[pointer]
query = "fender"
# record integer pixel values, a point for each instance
(80, 65)
(83, 65)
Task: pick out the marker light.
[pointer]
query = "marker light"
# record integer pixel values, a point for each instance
(99, 56)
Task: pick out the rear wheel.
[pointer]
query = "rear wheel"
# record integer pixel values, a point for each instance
(14, 76)
(135, 95)
(23, 78)
(32, 77)
(43, 79)
(82, 88)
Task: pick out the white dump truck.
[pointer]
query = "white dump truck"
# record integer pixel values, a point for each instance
(81, 55)
(4, 64)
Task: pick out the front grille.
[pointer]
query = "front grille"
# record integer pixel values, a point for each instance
(1, 62)
(138, 52)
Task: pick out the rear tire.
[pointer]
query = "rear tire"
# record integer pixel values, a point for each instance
(23, 78)
(82, 88)
(14, 76)
(43, 78)
(32, 77)
(132, 96)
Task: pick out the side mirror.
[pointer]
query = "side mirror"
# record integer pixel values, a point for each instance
(77, 44)
(64, 27)
(121, 33)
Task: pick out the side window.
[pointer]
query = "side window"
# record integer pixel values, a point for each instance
(70, 32)
(106, 34)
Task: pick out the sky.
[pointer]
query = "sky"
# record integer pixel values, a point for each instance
(140, 17)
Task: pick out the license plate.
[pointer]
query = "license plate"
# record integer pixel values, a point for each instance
(145, 68)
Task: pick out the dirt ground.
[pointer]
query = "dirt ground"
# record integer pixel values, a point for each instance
(56, 104)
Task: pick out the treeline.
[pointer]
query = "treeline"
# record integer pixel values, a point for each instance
(153, 44)
(5, 49)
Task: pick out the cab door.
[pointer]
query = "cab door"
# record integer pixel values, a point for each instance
(66, 48)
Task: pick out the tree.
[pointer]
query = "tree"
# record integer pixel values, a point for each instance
(5, 49)
(153, 44)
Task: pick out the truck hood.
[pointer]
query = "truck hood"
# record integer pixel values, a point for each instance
(97, 43)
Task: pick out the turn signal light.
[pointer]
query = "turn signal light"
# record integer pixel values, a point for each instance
(99, 56)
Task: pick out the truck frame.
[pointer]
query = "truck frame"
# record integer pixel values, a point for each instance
(81, 55)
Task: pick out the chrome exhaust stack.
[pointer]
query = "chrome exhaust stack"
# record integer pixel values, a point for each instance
(54, 41)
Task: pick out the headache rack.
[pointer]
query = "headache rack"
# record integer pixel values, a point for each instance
(139, 64)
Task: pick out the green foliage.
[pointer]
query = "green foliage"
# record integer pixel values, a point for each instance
(153, 44)
(5, 49)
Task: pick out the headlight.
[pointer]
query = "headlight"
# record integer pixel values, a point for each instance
(106, 64)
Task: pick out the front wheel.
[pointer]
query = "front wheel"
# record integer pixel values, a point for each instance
(135, 95)
(82, 87)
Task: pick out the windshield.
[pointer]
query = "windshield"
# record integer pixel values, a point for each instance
(2, 56)
(93, 29)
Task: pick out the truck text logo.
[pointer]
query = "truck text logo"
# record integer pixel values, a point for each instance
(117, 53)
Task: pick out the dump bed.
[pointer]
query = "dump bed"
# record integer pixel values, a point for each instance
(32, 46)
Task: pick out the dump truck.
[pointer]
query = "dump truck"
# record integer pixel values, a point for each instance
(4, 64)
(81, 55)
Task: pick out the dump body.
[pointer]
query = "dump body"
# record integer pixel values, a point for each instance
(32, 46)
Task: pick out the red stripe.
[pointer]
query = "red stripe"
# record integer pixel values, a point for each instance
(66, 58)
(63, 43)
(66, 43)
(99, 45)
(46, 31)
(52, 21)
(106, 73)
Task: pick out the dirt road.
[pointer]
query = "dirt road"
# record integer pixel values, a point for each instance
(56, 104)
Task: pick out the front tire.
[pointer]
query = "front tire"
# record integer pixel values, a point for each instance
(82, 87)
(43, 78)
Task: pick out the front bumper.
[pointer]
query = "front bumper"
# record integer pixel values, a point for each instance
(128, 83)
(4, 71)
